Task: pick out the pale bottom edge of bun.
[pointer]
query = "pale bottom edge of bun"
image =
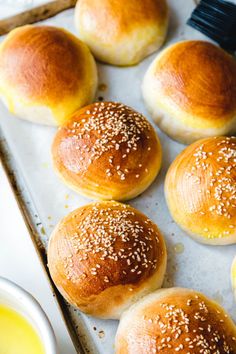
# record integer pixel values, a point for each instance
(106, 306)
(131, 58)
(129, 51)
(33, 113)
(92, 194)
(182, 133)
(213, 241)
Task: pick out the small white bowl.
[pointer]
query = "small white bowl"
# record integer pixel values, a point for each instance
(21, 301)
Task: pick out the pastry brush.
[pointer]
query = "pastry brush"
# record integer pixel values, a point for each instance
(217, 20)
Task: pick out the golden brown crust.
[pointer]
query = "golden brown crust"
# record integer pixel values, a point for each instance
(46, 66)
(107, 151)
(202, 180)
(134, 30)
(104, 248)
(32, 49)
(199, 78)
(124, 16)
(176, 320)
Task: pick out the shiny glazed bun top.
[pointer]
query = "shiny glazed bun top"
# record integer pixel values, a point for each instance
(176, 320)
(107, 151)
(190, 89)
(122, 32)
(105, 255)
(46, 73)
(202, 180)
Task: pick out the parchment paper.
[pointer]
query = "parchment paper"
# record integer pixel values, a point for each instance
(190, 264)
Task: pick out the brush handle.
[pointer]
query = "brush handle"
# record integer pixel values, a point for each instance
(36, 14)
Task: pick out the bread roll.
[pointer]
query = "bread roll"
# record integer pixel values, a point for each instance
(46, 73)
(107, 151)
(176, 320)
(190, 91)
(122, 32)
(104, 256)
(200, 189)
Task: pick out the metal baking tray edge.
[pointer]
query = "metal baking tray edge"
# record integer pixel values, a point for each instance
(32, 222)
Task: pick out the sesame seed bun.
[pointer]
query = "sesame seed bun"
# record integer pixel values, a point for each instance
(107, 151)
(104, 256)
(190, 91)
(176, 320)
(122, 32)
(202, 180)
(46, 73)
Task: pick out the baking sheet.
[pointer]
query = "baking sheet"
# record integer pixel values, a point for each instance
(47, 200)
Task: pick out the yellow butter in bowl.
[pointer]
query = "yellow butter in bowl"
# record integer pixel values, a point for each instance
(17, 336)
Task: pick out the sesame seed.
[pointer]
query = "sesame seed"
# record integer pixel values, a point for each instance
(213, 176)
(109, 235)
(186, 328)
(107, 129)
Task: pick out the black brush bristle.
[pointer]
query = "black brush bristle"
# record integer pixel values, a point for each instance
(217, 20)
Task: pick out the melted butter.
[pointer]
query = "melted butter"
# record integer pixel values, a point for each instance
(179, 248)
(102, 87)
(17, 336)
